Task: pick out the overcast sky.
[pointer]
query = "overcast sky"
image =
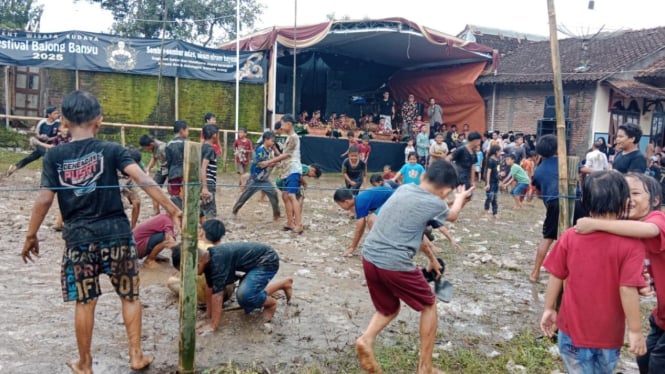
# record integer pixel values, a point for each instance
(526, 16)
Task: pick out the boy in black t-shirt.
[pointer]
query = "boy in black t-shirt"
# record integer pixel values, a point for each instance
(492, 181)
(353, 170)
(259, 263)
(96, 232)
(209, 172)
(175, 155)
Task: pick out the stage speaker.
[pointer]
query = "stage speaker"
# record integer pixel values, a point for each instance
(546, 127)
(550, 107)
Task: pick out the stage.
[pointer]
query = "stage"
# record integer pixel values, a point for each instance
(326, 152)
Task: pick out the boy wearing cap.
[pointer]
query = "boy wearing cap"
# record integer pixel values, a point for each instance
(45, 131)
(388, 254)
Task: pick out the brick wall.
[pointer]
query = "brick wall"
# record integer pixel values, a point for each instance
(518, 108)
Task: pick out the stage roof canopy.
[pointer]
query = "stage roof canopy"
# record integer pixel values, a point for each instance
(395, 42)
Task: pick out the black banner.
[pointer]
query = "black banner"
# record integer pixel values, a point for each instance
(78, 50)
(326, 151)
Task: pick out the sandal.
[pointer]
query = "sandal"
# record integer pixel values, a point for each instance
(287, 228)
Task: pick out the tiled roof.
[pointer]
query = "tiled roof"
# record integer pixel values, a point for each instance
(655, 70)
(636, 89)
(503, 41)
(606, 54)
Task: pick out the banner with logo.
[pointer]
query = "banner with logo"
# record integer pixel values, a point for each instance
(78, 50)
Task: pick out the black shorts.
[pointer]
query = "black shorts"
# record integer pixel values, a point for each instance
(551, 224)
(160, 178)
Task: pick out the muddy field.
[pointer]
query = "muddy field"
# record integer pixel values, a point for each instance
(493, 299)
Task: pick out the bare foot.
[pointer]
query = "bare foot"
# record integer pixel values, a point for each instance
(288, 290)
(141, 362)
(269, 312)
(77, 369)
(150, 264)
(366, 356)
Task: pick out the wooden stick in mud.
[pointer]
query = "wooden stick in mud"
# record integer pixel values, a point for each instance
(189, 257)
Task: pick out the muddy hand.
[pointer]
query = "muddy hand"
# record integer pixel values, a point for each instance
(31, 247)
(434, 266)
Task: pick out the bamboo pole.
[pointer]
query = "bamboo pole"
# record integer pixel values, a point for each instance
(122, 136)
(573, 176)
(560, 120)
(224, 151)
(189, 257)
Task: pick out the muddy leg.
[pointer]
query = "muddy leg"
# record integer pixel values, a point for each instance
(131, 315)
(365, 343)
(427, 336)
(84, 322)
(285, 285)
(541, 252)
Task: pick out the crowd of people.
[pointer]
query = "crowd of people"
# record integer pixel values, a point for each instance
(396, 210)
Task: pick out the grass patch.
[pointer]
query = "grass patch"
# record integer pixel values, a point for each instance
(400, 355)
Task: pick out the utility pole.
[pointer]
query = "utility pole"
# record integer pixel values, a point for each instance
(560, 119)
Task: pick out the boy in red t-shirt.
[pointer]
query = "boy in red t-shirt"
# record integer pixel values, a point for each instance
(364, 149)
(646, 222)
(603, 273)
(242, 149)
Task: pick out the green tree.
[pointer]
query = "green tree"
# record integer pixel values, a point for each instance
(198, 21)
(17, 14)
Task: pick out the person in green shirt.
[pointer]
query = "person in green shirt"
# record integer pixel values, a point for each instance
(518, 175)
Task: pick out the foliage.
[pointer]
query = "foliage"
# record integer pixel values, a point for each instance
(197, 21)
(16, 14)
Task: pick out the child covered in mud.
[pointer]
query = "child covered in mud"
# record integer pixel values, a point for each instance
(97, 232)
(388, 254)
(603, 272)
(646, 222)
(259, 263)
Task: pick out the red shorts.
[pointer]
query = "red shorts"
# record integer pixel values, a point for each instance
(387, 288)
(175, 186)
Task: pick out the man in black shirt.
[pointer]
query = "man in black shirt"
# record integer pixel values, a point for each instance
(465, 159)
(387, 109)
(630, 158)
(97, 234)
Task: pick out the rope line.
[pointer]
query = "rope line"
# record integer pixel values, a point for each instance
(230, 186)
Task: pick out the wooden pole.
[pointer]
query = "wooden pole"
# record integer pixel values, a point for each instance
(225, 151)
(122, 136)
(560, 119)
(573, 176)
(189, 257)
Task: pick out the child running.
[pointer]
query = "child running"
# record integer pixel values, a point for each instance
(648, 223)
(603, 273)
(388, 264)
(518, 175)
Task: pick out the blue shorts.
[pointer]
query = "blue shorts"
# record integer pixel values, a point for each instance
(587, 360)
(521, 187)
(251, 293)
(292, 183)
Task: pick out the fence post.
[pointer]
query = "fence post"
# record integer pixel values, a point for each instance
(573, 174)
(122, 135)
(189, 257)
(225, 150)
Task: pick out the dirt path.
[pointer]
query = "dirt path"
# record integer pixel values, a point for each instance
(492, 301)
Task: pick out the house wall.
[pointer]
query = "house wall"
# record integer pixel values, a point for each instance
(518, 108)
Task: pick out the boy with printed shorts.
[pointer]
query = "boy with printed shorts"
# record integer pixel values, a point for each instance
(97, 233)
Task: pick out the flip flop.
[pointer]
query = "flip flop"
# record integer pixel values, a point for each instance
(287, 228)
(443, 290)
